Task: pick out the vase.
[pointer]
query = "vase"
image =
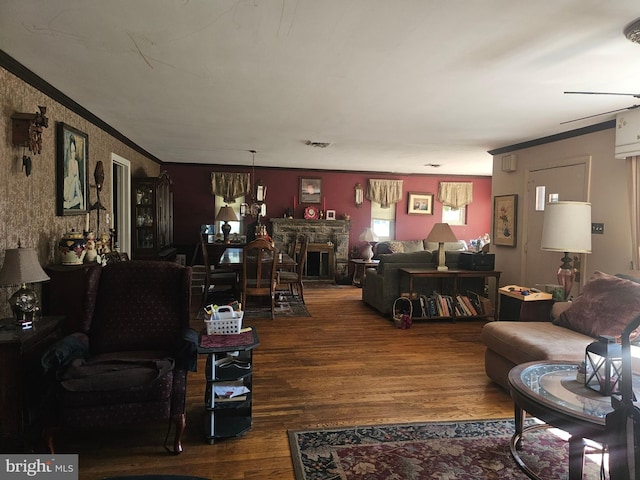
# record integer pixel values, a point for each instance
(72, 248)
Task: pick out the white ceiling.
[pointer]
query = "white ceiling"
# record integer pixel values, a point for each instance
(392, 84)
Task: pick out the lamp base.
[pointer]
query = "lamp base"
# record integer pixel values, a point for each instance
(367, 252)
(24, 305)
(226, 228)
(566, 275)
(442, 268)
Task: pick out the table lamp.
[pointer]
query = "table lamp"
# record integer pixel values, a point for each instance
(226, 215)
(441, 233)
(369, 237)
(20, 267)
(567, 228)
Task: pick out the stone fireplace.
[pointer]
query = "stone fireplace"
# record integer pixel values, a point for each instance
(328, 252)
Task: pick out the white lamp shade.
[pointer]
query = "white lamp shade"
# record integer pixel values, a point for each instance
(368, 236)
(567, 227)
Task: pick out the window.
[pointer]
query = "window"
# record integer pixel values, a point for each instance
(235, 226)
(454, 216)
(383, 221)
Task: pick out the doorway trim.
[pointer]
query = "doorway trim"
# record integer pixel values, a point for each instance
(121, 189)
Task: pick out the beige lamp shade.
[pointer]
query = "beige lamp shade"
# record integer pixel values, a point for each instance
(441, 233)
(21, 266)
(226, 214)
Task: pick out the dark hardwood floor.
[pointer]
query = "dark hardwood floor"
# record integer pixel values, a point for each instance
(345, 365)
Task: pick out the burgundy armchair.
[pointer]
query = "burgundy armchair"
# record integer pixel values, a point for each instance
(128, 364)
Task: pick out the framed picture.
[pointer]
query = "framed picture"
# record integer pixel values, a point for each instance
(505, 217)
(310, 190)
(420, 203)
(72, 178)
(331, 214)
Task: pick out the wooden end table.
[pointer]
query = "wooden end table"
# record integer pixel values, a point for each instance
(360, 266)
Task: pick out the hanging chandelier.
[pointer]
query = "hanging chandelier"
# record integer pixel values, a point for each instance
(258, 194)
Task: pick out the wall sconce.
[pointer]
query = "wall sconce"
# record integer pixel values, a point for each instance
(27, 132)
(359, 193)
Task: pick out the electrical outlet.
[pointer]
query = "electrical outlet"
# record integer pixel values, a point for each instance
(597, 228)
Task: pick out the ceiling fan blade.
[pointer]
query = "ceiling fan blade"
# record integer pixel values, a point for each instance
(632, 107)
(635, 95)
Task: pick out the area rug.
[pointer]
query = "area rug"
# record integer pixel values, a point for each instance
(443, 451)
(286, 306)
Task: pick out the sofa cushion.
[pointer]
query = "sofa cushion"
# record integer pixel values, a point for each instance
(522, 342)
(412, 246)
(412, 258)
(607, 304)
(458, 246)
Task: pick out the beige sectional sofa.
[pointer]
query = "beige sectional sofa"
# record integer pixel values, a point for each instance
(605, 306)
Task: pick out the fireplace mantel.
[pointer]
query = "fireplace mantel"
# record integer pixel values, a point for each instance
(285, 230)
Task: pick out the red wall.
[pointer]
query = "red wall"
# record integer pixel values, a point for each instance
(193, 202)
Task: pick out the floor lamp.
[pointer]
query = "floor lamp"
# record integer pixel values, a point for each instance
(441, 233)
(567, 228)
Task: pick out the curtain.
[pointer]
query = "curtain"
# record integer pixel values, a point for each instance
(455, 194)
(385, 192)
(633, 171)
(230, 185)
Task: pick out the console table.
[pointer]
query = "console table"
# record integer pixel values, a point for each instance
(414, 273)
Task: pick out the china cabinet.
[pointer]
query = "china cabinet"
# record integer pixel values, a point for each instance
(152, 218)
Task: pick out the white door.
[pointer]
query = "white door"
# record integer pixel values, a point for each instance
(567, 182)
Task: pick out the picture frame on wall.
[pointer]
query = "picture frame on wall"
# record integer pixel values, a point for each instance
(310, 190)
(505, 220)
(420, 203)
(72, 179)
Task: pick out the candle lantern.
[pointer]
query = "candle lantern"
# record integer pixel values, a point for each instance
(603, 359)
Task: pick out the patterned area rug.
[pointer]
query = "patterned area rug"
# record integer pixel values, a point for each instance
(287, 305)
(443, 451)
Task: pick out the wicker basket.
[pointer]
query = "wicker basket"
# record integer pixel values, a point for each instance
(397, 311)
(224, 320)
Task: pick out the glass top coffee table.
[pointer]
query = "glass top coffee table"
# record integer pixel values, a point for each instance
(550, 392)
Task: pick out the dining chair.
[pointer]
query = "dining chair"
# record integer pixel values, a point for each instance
(293, 279)
(214, 278)
(259, 262)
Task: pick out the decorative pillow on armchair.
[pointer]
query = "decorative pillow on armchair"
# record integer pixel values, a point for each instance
(605, 306)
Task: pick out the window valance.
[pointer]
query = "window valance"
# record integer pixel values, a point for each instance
(455, 194)
(385, 192)
(230, 185)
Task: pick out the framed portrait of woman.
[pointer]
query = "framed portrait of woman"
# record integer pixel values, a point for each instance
(310, 190)
(72, 163)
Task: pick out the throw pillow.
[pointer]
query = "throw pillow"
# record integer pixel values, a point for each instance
(605, 307)
(396, 247)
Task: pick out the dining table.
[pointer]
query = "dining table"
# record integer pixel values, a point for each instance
(231, 259)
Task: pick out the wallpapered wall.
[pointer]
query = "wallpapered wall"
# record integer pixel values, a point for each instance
(28, 204)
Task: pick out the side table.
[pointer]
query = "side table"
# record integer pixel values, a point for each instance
(229, 372)
(20, 373)
(535, 306)
(360, 266)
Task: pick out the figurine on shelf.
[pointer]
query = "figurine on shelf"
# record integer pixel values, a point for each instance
(91, 254)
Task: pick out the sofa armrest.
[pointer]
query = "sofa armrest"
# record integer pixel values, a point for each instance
(558, 308)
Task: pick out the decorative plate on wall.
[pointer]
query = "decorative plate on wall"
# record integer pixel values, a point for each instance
(311, 213)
